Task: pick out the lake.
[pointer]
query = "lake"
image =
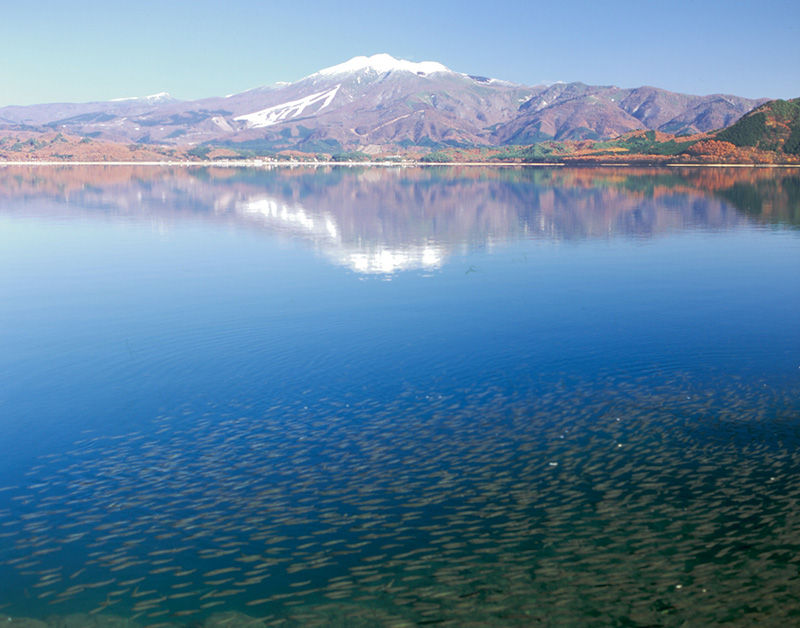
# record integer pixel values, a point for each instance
(399, 396)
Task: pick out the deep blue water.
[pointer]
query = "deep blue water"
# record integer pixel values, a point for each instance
(400, 360)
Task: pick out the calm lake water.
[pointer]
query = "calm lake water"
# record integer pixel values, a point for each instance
(346, 396)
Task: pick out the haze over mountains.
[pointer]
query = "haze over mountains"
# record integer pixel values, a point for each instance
(379, 102)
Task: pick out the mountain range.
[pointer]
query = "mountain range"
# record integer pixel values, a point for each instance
(377, 103)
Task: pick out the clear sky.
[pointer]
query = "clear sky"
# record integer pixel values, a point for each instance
(85, 50)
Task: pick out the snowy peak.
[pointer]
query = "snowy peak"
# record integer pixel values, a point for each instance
(161, 97)
(382, 63)
(355, 79)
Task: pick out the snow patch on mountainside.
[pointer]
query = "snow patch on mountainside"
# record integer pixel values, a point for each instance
(382, 63)
(222, 123)
(292, 109)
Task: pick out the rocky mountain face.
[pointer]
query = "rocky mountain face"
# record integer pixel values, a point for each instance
(380, 102)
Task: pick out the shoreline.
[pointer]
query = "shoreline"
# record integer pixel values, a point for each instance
(258, 163)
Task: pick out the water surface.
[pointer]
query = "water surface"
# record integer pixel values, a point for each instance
(399, 396)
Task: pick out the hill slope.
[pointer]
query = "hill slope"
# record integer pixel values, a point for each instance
(774, 126)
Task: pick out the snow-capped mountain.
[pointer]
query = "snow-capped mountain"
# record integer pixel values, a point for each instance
(382, 102)
(381, 64)
(153, 99)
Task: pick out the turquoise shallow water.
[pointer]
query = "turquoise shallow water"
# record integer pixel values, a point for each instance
(347, 396)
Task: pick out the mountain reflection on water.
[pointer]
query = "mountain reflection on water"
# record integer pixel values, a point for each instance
(384, 220)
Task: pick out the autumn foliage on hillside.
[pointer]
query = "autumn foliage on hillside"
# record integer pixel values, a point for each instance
(768, 135)
(716, 151)
(53, 146)
(774, 126)
(50, 146)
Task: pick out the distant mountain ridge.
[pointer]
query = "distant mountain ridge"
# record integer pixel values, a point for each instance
(378, 102)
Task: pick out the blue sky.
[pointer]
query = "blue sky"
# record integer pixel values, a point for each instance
(84, 50)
